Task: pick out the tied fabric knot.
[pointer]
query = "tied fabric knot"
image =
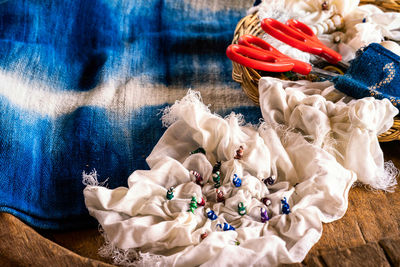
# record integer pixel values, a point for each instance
(374, 72)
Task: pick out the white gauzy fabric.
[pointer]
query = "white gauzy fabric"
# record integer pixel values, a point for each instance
(377, 25)
(346, 127)
(309, 12)
(363, 25)
(313, 181)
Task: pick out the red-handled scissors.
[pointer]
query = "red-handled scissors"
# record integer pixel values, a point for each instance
(256, 53)
(300, 36)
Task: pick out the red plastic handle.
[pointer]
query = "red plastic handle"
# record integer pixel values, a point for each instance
(300, 36)
(258, 43)
(265, 60)
(263, 56)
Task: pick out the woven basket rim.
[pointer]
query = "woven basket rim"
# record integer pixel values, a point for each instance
(249, 78)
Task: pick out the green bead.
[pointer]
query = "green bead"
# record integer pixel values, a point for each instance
(199, 150)
(193, 204)
(170, 193)
(241, 209)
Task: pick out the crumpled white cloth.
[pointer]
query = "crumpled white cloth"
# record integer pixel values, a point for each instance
(378, 25)
(313, 180)
(346, 127)
(308, 12)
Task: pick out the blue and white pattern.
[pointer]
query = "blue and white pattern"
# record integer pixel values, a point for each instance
(374, 72)
(82, 84)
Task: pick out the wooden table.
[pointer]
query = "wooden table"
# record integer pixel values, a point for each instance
(368, 235)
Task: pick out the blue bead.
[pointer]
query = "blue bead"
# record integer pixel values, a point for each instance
(285, 206)
(236, 180)
(211, 215)
(227, 227)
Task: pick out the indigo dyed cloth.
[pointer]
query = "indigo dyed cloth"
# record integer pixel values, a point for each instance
(82, 84)
(374, 72)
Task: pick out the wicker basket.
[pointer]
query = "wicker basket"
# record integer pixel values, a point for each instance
(249, 78)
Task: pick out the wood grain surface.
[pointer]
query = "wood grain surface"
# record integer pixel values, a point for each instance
(368, 235)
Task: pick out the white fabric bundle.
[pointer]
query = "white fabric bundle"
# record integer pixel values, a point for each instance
(377, 25)
(345, 127)
(313, 180)
(362, 25)
(308, 12)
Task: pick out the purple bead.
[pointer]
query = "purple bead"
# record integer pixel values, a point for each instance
(264, 215)
(269, 181)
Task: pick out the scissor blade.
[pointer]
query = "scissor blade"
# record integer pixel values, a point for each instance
(343, 64)
(323, 73)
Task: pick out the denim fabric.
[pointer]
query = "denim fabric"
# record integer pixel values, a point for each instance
(82, 84)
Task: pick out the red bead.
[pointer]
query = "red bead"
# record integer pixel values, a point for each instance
(220, 196)
(203, 235)
(266, 201)
(324, 6)
(239, 153)
(202, 202)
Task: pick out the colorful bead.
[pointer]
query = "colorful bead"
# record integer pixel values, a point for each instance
(170, 193)
(227, 227)
(220, 195)
(241, 209)
(239, 153)
(193, 204)
(217, 167)
(285, 206)
(364, 20)
(203, 235)
(202, 202)
(266, 201)
(217, 179)
(264, 215)
(324, 5)
(269, 181)
(211, 214)
(198, 177)
(199, 150)
(236, 180)
(237, 243)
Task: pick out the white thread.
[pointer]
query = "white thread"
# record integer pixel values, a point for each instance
(91, 179)
(127, 257)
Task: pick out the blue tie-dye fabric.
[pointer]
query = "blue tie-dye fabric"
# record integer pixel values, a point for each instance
(81, 87)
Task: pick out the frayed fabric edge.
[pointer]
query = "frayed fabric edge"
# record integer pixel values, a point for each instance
(127, 257)
(171, 114)
(386, 182)
(91, 179)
